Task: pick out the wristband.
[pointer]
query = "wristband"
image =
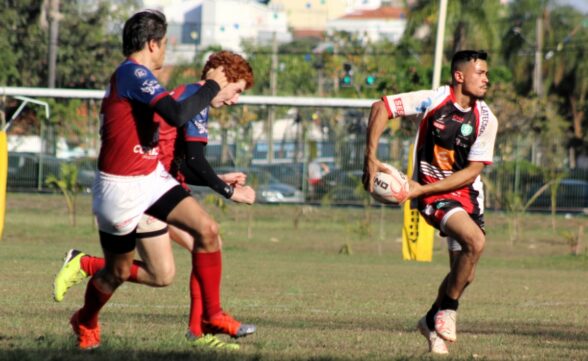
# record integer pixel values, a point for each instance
(229, 190)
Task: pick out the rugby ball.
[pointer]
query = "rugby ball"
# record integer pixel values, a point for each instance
(390, 188)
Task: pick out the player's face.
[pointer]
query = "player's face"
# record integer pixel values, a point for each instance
(229, 95)
(159, 53)
(475, 78)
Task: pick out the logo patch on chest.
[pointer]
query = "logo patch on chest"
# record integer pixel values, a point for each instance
(466, 129)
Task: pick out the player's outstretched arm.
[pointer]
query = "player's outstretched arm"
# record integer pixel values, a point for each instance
(378, 120)
(178, 113)
(455, 181)
(198, 171)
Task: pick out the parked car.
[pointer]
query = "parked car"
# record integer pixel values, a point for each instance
(23, 170)
(288, 173)
(86, 172)
(268, 188)
(340, 186)
(572, 195)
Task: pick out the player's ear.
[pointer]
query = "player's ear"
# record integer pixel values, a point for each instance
(458, 76)
(151, 44)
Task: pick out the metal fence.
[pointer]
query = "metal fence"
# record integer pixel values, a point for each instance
(331, 140)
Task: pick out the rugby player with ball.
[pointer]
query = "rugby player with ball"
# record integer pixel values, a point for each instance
(454, 142)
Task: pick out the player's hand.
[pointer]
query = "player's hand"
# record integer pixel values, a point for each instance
(234, 178)
(370, 167)
(218, 75)
(415, 189)
(243, 194)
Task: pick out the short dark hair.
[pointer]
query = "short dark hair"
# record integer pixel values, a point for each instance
(463, 56)
(142, 27)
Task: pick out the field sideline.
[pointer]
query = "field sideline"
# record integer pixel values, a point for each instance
(283, 271)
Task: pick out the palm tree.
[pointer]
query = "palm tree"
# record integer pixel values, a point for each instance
(564, 71)
(470, 24)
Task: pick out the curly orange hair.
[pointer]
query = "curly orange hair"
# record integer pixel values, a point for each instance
(234, 65)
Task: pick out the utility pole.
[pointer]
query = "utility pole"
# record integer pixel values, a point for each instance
(274, 91)
(54, 17)
(537, 71)
(439, 44)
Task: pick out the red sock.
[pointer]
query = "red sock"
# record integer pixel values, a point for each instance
(195, 306)
(93, 302)
(91, 265)
(208, 269)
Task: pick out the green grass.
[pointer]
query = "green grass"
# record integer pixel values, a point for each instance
(529, 301)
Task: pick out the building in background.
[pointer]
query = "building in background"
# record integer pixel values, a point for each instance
(195, 25)
(372, 25)
(311, 18)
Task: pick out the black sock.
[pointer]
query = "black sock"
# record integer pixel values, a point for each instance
(431, 316)
(448, 303)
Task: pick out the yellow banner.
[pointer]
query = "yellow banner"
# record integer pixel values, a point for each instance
(3, 178)
(417, 234)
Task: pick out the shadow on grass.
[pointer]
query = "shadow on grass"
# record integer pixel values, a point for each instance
(118, 355)
(573, 334)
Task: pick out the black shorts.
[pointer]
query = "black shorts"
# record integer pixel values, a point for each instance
(435, 213)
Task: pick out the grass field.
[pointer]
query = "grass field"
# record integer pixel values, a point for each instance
(283, 271)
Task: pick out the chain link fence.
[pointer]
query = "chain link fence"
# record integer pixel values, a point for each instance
(315, 155)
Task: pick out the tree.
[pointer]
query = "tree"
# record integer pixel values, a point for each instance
(564, 73)
(67, 183)
(470, 24)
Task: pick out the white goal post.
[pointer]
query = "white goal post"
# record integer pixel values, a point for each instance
(245, 99)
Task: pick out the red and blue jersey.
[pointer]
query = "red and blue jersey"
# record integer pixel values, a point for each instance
(172, 147)
(128, 131)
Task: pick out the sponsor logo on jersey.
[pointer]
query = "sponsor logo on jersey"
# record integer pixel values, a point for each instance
(458, 118)
(440, 205)
(459, 142)
(443, 158)
(151, 151)
(424, 105)
(201, 127)
(150, 86)
(399, 106)
(485, 118)
(436, 124)
(466, 129)
(140, 73)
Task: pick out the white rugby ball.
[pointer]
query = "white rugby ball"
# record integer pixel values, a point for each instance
(390, 188)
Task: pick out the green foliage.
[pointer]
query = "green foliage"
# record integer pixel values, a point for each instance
(67, 183)
(88, 48)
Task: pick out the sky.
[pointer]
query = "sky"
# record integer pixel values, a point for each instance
(581, 5)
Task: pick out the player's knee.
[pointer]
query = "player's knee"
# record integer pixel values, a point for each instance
(475, 247)
(210, 235)
(478, 245)
(117, 276)
(164, 277)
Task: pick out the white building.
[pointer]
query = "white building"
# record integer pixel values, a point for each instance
(383, 23)
(195, 25)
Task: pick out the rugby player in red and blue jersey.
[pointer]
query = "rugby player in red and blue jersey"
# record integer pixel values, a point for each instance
(454, 142)
(182, 153)
(130, 180)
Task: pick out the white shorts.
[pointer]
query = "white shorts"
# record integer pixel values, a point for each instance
(120, 201)
(150, 226)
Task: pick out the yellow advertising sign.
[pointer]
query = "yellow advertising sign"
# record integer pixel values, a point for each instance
(3, 178)
(417, 234)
